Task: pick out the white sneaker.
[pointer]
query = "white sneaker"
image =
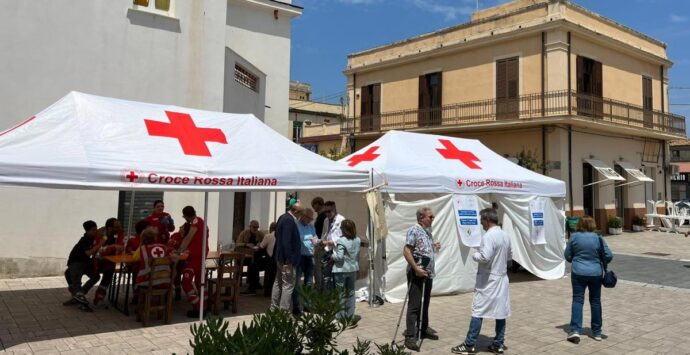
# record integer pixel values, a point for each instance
(574, 338)
(597, 337)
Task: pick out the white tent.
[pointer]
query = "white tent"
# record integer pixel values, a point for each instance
(423, 169)
(91, 142)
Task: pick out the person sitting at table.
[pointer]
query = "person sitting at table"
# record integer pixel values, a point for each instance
(175, 242)
(250, 238)
(110, 233)
(162, 221)
(79, 263)
(151, 249)
(268, 243)
(192, 276)
(133, 245)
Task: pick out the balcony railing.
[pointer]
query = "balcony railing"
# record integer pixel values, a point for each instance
(523, 108)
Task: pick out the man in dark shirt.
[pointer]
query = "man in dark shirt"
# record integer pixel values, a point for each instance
(288, 248)
(317, 203)
(79, 263)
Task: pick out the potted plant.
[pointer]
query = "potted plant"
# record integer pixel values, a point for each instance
(638, 224)
(615, 225)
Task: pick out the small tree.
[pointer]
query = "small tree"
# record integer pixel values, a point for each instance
(278, 332)
(528, 159)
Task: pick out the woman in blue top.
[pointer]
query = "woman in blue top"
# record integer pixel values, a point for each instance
(583, 251)
(346, 265)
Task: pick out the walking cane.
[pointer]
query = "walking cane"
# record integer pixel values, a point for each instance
(397, 327)
(421, 314)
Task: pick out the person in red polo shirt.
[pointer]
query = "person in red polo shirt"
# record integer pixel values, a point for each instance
(161, 221)
(193, 243)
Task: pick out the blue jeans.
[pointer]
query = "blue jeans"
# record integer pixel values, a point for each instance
(306, 268)
(476, 327)
(346, 280)
(580, 283)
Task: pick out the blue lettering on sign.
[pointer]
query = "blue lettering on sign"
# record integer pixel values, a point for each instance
(538, 222)
(468, 222)
(467, 213)
(538, 215)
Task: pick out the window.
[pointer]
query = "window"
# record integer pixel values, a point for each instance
(161, 7)
(651, 152)
(647, 102)
(430, 92)
(246, 78)
(507, 88)
(371, 108)
(297, 128)
(589, 87)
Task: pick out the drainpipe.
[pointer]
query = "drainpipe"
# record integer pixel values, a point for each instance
(570, 167)
(661, 80)
(354, 101)
(663, 157)
(543, 83)
(569, 81)
(543, 149)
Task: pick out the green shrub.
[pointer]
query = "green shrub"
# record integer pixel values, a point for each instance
(639, 221)
(614, 222)
(278, 332)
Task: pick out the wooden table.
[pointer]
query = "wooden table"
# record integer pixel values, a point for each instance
(125, 261)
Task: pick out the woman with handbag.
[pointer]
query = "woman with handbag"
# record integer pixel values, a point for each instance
(589, 254)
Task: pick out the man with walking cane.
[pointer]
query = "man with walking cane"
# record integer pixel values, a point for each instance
(420, 253)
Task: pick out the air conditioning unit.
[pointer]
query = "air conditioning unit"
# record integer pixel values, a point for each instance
(673, 169)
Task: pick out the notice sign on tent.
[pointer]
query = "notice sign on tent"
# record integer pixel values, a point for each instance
(536, 209)
(466, 210)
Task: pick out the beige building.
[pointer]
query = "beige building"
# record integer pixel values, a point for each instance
(315, 125)
(581, 96)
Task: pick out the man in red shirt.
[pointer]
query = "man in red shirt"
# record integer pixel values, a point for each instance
(193, 243)
(161, 221)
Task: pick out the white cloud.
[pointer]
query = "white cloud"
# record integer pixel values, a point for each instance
(678, 18)
(449, 12)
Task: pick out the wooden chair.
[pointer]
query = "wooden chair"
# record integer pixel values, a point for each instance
(226, 287)
(248, 255)
(157, 294)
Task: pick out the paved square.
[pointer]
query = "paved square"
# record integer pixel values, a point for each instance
(639, 318)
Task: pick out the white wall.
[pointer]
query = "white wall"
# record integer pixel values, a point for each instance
(51, 47)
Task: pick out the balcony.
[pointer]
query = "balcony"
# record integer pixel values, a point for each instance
(531, 107)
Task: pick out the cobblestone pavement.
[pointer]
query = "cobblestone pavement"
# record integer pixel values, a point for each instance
(638, 318)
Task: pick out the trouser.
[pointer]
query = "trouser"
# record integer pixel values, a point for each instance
(283, 287)
(306, 268)
(346, 280)
(269, 276)
(191, 282)
(76, 272)
(318, 253)
(476, 327)
(414, 305)
(580, 284)
(327, 281)
(255, 265)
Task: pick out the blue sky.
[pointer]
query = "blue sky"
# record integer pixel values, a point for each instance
(329, 30)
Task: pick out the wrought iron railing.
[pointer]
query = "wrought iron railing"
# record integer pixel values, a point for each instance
(525, 107)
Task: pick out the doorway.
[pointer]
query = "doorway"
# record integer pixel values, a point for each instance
(619, 196)
(239, 212)
(588, 191)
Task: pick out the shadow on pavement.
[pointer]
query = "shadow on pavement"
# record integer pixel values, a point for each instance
(38, 314)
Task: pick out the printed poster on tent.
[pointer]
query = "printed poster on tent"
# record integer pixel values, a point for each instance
(536, 209)
(466, 209)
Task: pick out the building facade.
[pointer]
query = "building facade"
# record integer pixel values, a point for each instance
(231, 56)
(580, 96)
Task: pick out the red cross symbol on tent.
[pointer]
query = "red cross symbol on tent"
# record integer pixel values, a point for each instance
(157, 252)
(452, 152)
(369, 155)
(192, 138)
(132, 176)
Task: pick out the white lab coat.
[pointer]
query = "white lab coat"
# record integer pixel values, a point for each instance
(491, 294)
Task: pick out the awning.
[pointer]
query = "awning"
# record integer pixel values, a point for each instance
(637, 175)
(606, 171)
(682, 167)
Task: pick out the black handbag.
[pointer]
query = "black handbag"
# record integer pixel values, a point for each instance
(609, 278)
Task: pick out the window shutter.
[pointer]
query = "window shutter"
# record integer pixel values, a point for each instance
(501, 79)
(143, 206)
(512, 78)
(580, 74)
(423, 92)
(376, 99)
(597, 82)
(365, 107)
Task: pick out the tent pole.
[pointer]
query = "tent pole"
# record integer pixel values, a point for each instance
(203, 258)
(372, 240)
(129, 220)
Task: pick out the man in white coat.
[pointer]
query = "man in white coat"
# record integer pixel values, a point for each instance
(491, 295)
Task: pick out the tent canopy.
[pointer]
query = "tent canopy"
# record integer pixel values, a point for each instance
(91, 142)
(426, 163)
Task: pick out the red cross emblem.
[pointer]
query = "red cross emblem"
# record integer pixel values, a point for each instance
(452, 152)
(369, 155)
(157, 252)
(192, 138)
(132, 176)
